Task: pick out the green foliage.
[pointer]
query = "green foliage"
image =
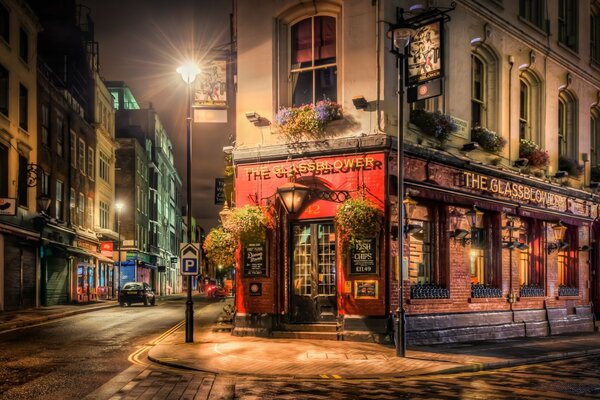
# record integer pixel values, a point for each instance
(487, 139)
(219, 246)
(248, 223)
(434, 124)
(358, 218)
(309, 119)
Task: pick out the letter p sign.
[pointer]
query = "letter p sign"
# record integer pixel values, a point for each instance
(189, 256)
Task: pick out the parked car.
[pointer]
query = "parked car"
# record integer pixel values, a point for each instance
(136, 292)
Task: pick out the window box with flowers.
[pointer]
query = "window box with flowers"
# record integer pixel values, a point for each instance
(358, 218)
(306, 121)
(536, 157)
(570, 166)
(434, 124)
(488, 140)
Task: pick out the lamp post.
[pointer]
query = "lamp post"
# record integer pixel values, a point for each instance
(119, 207)
(188, 73)
(399, 34)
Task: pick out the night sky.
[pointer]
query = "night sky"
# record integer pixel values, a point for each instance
(142, 42)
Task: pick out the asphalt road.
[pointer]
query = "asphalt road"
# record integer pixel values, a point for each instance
(71, 357)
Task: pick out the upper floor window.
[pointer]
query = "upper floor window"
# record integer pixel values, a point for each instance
(60, 136)
(22, 182)
(90, 163)
(477, 90)
(529, 107)
(567, 23)
(484, 87)
(45, 124)
(59, 199)
(104, 215)
(104, 165)
(81, 210)
(595, 137)
(73, 148)
(24, 45)
(3, 90)
(4, 23)
(3, 171)
(23, 107)
(81, 154)
(567, 146)
(313, 63)
(595, 36)
(533, 11)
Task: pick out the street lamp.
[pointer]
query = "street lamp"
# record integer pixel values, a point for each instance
(119, 207)
(188, 73)
(400, 34)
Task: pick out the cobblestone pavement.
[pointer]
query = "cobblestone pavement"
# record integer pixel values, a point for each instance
(565, 379)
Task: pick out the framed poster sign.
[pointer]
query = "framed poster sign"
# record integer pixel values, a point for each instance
(366, 289)
(363, 257)
(255, 259)
(425, 56)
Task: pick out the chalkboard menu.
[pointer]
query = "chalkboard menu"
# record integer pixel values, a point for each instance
(363, 257)
(255, 259)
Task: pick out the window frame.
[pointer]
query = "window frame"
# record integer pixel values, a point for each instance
(22, 187)
(533, 11)
(567, 21)
(24, 45)
(23, 107)
(594, 136)
(45, 124)
(59, 199)
(5, 15)
(4, 90)
(533, 131)
(567, 125)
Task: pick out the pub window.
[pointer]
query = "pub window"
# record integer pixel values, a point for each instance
(567, 146)
(426, 276)
(3, 170)
(4, 23)
(24, 45)
(529, 244)
(567, 23)
(23, 109)
(313, 63)
(3, 90)
(533, 11)
(483, 254)
(22, 188)
(567, 262)
(45, 124)
(595, 137)
(595, 35)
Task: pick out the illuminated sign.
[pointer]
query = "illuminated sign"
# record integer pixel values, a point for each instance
(514, 190)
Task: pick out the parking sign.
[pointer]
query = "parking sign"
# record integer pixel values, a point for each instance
(189, 254)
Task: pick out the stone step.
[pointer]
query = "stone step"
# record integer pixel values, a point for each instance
(305, 335)
(310, 327)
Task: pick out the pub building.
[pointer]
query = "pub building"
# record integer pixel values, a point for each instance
(492, 248)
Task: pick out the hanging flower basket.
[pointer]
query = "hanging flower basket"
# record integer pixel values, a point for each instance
(307, 120)
(434, 124)
(487, 139)
(358, 218)
(219, 246)
(249, 223)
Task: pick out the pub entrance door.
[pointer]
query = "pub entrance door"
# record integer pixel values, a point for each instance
(313, 280)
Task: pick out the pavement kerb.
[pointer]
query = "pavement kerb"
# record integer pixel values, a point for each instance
(38, 320)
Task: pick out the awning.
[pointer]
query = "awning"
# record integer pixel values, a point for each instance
(549, 215)
(77, 250)
(102, 258)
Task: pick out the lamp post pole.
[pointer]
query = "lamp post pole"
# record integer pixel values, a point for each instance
(119, 206)
(188, 74)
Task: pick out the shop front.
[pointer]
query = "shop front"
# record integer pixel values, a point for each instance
(85, 253)
(304, 277)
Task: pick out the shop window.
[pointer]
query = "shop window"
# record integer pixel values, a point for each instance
(529, 107)
(313, 60)
(527, 240)
(483, 258)
(595, 34)
(567, 262)
(484, 86)
(533, 11)
(567, 105)
(567, 23)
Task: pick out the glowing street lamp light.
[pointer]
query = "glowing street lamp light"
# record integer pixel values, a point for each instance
(188, 72)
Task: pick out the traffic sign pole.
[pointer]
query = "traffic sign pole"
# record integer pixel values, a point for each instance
(189, 254)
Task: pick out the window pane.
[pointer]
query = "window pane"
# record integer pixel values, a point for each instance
(22, 191)
(3, 171)
(4, 23)
(326, 84)
(301, 44)
(324, 40)
(23, 45)
(3, 90)
(23, 107)
(302, 88)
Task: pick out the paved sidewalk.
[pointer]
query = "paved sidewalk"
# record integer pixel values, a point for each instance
(216, 351)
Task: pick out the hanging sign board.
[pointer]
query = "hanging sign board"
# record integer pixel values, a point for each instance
(425, 56)
(255, 259)
(424, 91)
(363, 257)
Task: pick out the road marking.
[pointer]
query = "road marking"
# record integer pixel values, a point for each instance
(134, 357)
(337, 376)
(324, 376)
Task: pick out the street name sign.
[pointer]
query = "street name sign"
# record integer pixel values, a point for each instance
(189, 254)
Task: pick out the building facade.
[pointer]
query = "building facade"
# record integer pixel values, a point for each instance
(497, 221)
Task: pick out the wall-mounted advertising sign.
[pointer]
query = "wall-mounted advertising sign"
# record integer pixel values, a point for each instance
(255, 259)
(363, 257)
(424, 60)
(8, 206)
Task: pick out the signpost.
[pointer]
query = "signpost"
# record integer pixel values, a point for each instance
(189, 254)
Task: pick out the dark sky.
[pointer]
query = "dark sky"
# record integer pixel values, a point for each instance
(142, 42)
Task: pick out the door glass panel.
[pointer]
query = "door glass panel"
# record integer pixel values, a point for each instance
(302, 260)
(326, 259)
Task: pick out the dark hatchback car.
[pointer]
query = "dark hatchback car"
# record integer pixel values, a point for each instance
(136, 292)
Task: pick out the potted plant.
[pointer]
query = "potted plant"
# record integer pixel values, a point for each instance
(249, 223)
(434, 124)
(530, 150)
(358, 218)
(570, 166)
(307, 120)
(219, 246)
(487, 139)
